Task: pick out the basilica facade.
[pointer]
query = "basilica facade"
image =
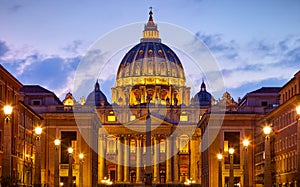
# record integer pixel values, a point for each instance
(151, 109)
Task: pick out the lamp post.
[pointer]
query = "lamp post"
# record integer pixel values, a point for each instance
(81, 170)
(231, 177)
(56, 163)
(298, 146)
(70, 173)
(37, 179)
(246, 171)
(148, 173)
(6, 160)
(220, 157)
(267, 170)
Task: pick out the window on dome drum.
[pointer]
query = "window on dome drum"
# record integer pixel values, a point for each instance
(233, 139)
(150, 67)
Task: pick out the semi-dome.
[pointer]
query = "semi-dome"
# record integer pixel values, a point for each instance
(153, 69)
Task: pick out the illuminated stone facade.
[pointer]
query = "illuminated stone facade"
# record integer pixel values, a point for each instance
(150, 92)
(150, 76)
(17, 138)
(239, 123)
(285, 141)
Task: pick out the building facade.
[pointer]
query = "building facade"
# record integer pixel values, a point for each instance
(152, 132)
(285, 149)
(17, 138)
(150, 85)
(238, 124)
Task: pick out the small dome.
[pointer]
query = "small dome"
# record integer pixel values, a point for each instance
(97, 97)
(203, 97)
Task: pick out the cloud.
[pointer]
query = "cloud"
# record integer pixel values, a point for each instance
(255, 61)
(3, 48)
(73, 47)
(55, 73)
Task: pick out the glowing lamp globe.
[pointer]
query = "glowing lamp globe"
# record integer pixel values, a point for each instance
(220, 156)
(8, 109)
(57, 142)
(81, 156)
(38, 130)
(298, 110)
(267, 130)
(246, 142)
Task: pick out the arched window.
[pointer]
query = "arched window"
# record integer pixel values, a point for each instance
(111, 145)
(132, 146)
(150, 67)
(138, 68)
(162, 146)
(183, 144)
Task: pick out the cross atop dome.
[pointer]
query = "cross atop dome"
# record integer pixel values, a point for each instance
(150, 14)
(150, 33)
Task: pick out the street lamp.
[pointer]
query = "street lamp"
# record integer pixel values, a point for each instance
(298, 111)
(37, 182)
(267, 170)
(231, 177)
(298, 145)
(70, 174)
(81, 170)
(220, 157)
(246, 172)
(56, 164)
(6, 159)
(7, 111)
(148, 172)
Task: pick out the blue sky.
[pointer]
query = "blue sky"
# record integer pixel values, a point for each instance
(256, 43)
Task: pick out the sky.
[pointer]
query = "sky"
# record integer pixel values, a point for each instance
(255, 43)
